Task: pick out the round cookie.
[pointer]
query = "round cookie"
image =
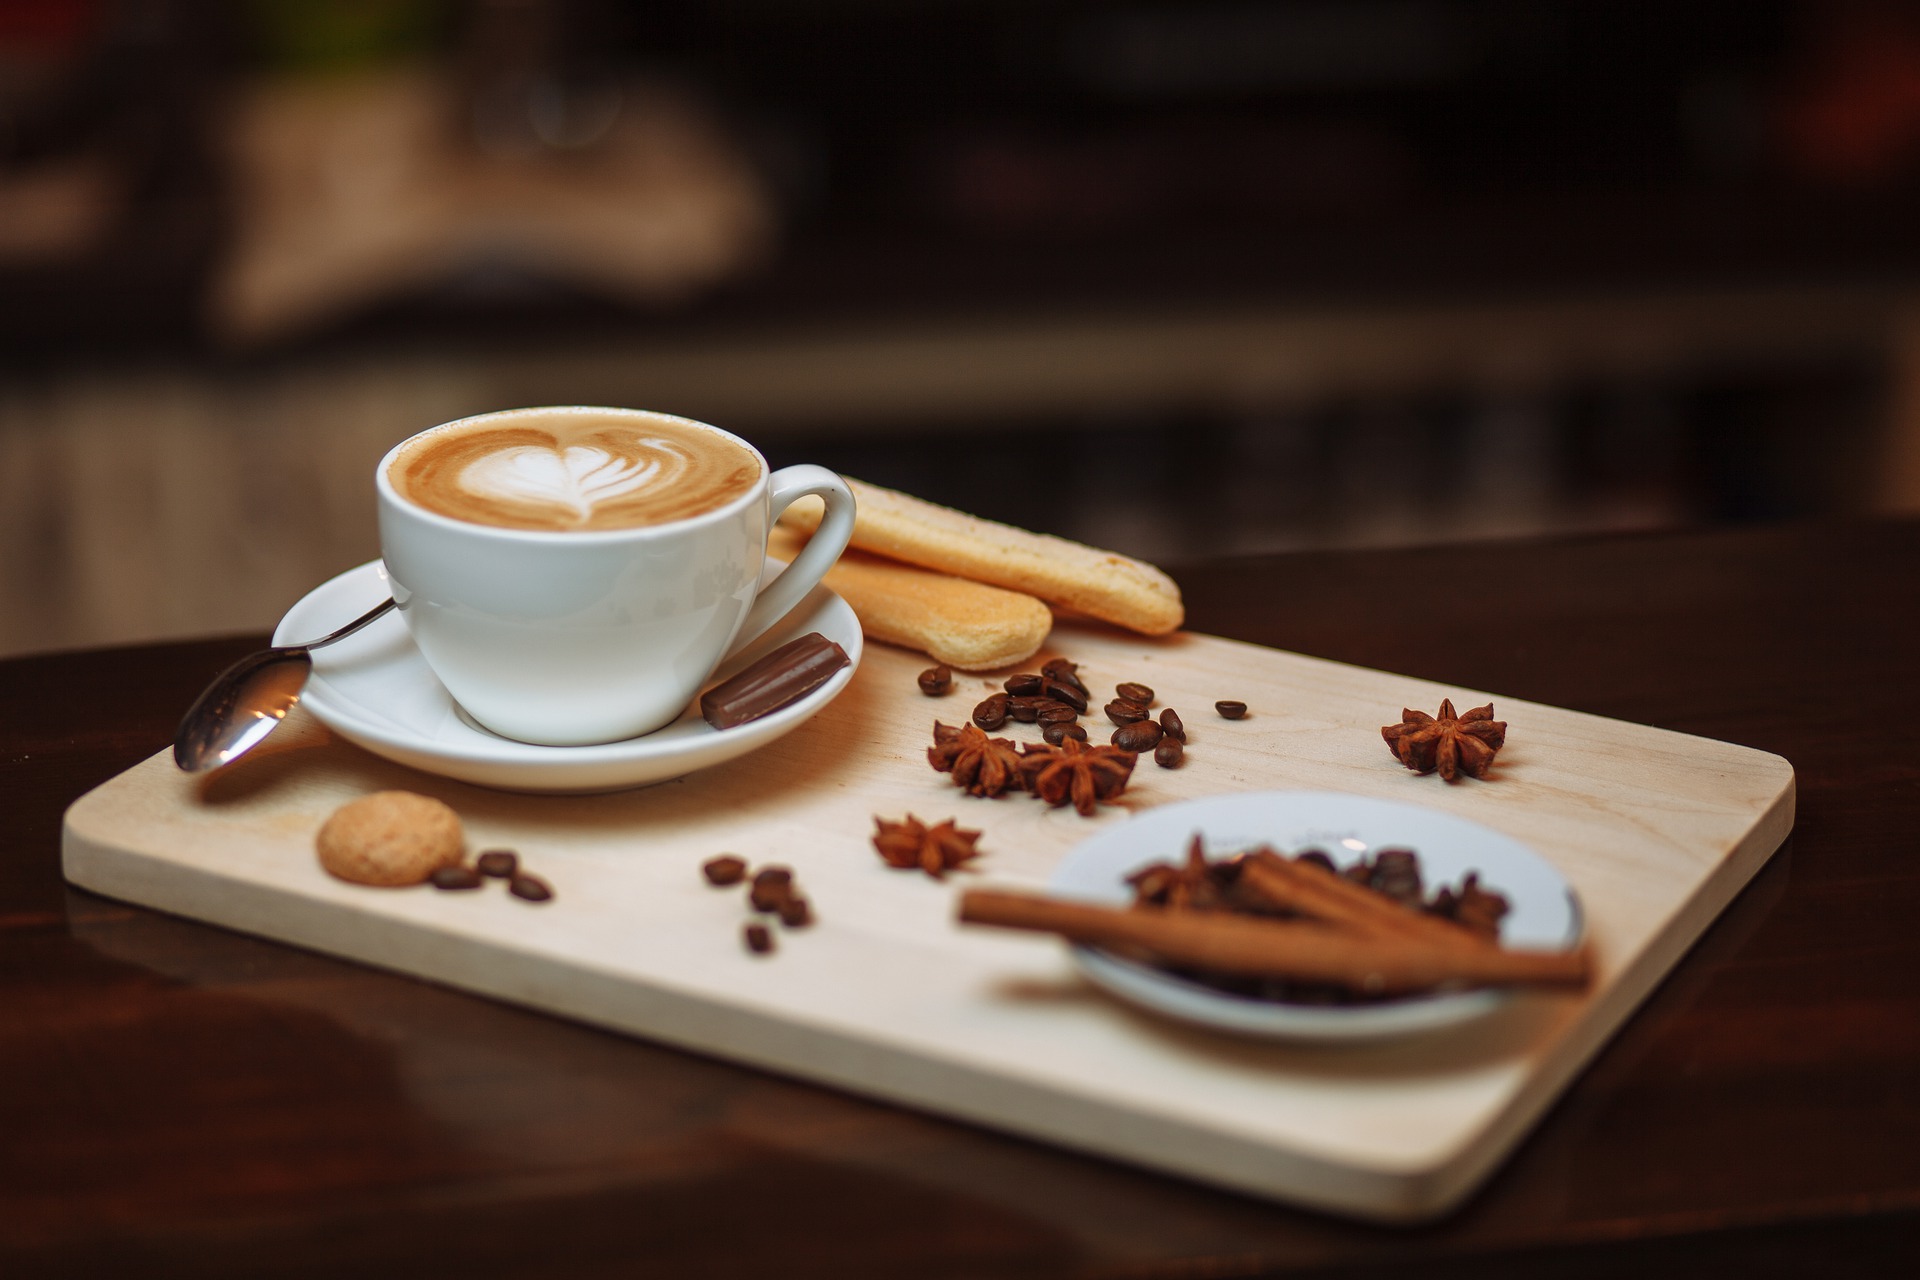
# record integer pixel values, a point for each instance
(390, 838)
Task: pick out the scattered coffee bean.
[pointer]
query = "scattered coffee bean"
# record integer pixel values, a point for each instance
(1025, 709)
(1061, 730)
(771, 887)
(455, 877)
(532, 888)
(1171, 722)
(1170, 753)
(992, 713)
(937, 682)
(1066, 693)
(1024, 685)
(796, 913)
(759, 940)
(499, 863)
(1231, 710)
(725, 869)
(1141, 735)
(1134, 692)
(1121, 711)
(1067, 673)
(1052, 712)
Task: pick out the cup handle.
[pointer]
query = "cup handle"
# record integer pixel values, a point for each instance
(779, 597)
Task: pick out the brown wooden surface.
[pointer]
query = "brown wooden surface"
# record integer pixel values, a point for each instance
(176, 1099)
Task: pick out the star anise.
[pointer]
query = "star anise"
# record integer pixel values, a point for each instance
(913, 844)
(1452, 744)
(983, 766)
(1074, 771)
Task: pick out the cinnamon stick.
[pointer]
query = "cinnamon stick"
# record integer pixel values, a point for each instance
(1327, 895)
(1371, 962)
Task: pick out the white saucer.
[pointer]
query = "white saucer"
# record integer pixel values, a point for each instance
(1544, 912)
(374, 689)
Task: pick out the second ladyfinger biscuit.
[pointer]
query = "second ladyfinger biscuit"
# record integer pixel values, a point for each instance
(964, 624)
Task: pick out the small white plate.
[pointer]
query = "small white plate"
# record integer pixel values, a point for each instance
(1544, 912)
(374, 689)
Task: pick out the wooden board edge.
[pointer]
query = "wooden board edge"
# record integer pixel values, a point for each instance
(1409, 1195)
(1454, 1181)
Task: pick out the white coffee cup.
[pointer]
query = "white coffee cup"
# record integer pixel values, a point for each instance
(578, 636)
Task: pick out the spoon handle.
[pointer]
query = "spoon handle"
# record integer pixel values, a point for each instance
(349, 629)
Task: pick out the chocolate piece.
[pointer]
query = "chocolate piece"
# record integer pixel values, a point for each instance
(455, 877)
(532, 888)
(725, 870)
(499, 863)
(783, 676)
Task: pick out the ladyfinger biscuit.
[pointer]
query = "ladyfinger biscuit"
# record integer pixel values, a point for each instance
(1100, 584)
(964, 624)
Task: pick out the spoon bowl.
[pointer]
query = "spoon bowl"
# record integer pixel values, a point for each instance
(248, 700)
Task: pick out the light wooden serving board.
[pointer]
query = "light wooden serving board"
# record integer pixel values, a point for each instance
(887, 996)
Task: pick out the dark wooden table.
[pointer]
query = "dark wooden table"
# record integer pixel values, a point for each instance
(176, 1099)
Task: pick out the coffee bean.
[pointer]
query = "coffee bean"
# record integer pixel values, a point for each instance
(1133, 692)
(1121, 711)
(1066, 693)
(1060, 731)
(759, 940)
(1054, 712)
(771, 887)
(455, 877)
(1141, 735)
(992, 713)
(1025, 685)
(1067, 673)
(1171, 722)
(499, 863)
(796, 913)
(725, 869)
(937, 682)
(1231, 710)
(1025, 709)
(532, 888)
(1170, 753)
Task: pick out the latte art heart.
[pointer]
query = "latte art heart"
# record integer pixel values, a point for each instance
(579, 478)
(567, 470)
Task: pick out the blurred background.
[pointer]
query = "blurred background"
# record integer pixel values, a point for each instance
(1171, 278)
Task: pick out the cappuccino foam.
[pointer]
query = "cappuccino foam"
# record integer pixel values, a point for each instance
(568, 472)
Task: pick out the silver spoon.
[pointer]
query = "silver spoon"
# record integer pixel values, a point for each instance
(248, 700)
